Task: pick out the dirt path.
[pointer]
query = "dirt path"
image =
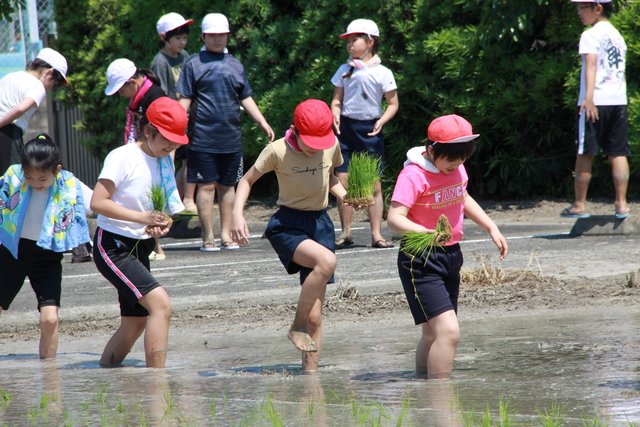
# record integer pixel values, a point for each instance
(485, 291)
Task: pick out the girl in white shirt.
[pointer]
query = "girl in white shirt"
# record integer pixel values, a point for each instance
(360, 85)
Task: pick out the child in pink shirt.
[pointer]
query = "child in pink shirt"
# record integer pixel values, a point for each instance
(433, 183)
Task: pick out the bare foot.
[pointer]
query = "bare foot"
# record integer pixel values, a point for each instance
(302, 340)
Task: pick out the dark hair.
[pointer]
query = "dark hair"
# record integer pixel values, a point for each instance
(607, 8)
(38, 64)
(184, 29)
(141, 126)
(40, 153)
(374, 50)
(148, 74)
(454, 151)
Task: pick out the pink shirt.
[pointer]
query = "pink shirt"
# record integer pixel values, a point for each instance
(431, 194)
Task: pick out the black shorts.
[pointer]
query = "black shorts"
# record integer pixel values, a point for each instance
(124, 262)
(288, 227)
(610, 132)
(431, 289)
(226, 169)
(10, 146)
(43, 267)
(354, 139)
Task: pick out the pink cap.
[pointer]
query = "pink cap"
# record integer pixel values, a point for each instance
(450, 129)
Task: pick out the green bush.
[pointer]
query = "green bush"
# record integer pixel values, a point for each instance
(510, 67)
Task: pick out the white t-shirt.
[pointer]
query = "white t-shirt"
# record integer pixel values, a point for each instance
(35, 212)
(14, 87)
(606, 42)
(133, 172)
(363, 91)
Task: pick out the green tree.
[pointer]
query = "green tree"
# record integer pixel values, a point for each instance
(510, 67)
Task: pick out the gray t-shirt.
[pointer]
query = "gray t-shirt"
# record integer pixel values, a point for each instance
(168, 70)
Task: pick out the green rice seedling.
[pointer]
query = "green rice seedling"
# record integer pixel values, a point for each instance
(553, 418)
(360, 410)
(364, 173)
(212, 407)
(5, 397)
(170, 405)
(404, 410)
(422, 244)
(270, 412)
(158, 199)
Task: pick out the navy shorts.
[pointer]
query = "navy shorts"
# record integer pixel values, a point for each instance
(431, 289)
(43, 268)
(610, 132)
(354, 139)
(181, 153)
(226, 169)
(124, 262)
(288, 227)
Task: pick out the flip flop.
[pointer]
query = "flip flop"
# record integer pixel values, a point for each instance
(228, 245)
(209, 247)
(622, 216)
(382, 244)
(568, 214)
(344, 241)
(157, 257)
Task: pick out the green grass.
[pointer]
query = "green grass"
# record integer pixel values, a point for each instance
(363, 173)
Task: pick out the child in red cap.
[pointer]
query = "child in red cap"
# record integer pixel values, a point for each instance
(433, 183)
(301, 232)
(123, 241)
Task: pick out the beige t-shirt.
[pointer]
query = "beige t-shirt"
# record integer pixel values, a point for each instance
(303, 180)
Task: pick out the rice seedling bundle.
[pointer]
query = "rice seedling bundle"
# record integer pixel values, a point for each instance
(364, 172)
(158, 199)
(422, 244)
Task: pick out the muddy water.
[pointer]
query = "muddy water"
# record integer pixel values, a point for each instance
(585, 362)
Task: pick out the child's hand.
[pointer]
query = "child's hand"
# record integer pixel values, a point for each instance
(500, 242)
(377, 127)
(266, 129)
(155, 219)
(239, 230)
(590, 109)
(336, 123)
(157, 231)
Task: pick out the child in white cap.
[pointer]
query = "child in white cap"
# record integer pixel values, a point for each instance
(433, 183)
(20, 94)
(215, 81)
(603, 119)
(360, 85)
(140, 85)
(301, 232)
(173, 31)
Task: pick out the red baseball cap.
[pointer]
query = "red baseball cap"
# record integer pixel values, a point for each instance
(170, 118)
(450, 129)
(314, 122)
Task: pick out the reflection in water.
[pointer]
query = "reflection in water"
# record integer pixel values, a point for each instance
(587, 361)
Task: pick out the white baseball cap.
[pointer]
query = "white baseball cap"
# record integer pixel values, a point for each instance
(215, 23)
(171, 21)
(118, 73)
(55, 59)
(361, 26)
